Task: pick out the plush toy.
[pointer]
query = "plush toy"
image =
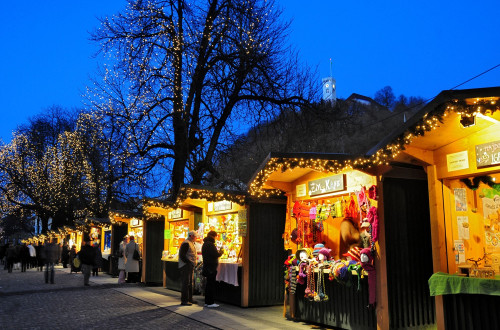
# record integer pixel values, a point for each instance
(368, 265)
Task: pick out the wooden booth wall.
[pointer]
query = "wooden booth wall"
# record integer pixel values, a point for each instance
(154, 233)
(265, 229)
(408, 253)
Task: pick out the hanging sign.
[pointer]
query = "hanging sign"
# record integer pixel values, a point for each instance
(167, 234)
(301, 190)
(242, 223)
(327, 185)
(457, 161)
(175, 214)
(488, 154)
(222, 206)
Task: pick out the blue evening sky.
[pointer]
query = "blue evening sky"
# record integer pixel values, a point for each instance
(418, 47)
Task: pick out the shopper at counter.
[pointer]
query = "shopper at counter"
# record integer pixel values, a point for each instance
(131, 265)
(122, 259)
(210, 262)
(187, 261)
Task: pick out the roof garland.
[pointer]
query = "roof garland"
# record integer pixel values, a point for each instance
(430, 121)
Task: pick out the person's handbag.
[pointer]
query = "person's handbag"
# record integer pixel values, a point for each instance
(76, 262)
(136, 255)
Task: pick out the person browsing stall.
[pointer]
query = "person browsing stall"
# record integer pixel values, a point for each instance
(210, 262)
(187, 262)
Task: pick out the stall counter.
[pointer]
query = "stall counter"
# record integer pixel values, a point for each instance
(443, 283)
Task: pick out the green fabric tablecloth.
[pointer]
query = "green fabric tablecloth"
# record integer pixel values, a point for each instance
(442, 283)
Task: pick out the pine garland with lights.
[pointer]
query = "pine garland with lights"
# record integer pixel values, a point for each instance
(428, 122)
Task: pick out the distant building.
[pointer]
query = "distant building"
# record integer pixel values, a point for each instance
(329, 89)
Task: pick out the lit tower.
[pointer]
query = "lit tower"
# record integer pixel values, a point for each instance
(329, 87)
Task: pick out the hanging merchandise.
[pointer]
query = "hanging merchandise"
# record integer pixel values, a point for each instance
(368, 265)
(310, 292)
(350, 210)
(373, 220)
(372, 192)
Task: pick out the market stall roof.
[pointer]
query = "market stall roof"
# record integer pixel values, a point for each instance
(92, 221)
(280, 167)
(438, 123)
(126, 214)
(208, 193)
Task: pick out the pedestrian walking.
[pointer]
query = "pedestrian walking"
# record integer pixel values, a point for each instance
(74, 266)
(32, 250)
(87, 259)
(24, 256)
(65, 255)
(51, 258)
(210, 262)
(98, 260)
(10, 257)
(40, 256)
(131, 264)
(187, 261)
(121, 260)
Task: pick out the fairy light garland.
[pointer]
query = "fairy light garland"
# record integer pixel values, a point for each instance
(383, 156)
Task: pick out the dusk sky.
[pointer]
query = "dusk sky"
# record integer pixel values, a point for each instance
(417, 48)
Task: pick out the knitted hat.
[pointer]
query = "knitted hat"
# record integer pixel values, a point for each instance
(312, 213)
(317, 247)
(368, 253)
(372, 192)
(306, 250)
(353, 253)
(294, 235)
(325, 252)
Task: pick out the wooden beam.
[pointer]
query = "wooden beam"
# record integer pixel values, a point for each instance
(382, 307)
(284, 186)
(427, 156)
(438, 241)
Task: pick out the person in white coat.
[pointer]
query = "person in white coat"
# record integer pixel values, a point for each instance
(131, 265)
(121, 260)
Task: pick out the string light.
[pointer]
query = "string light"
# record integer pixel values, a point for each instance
(382, 156)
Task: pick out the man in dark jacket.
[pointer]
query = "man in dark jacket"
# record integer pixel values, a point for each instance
(187, 262)
(210, 263)
(51, 257)
(65, 255)
(87, 259)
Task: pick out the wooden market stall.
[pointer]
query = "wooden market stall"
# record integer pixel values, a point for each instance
(454, 142)
(436, 180)
(249, 231)
(125, 222)
(324, 209)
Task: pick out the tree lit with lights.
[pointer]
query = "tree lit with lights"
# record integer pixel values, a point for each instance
(181, 77)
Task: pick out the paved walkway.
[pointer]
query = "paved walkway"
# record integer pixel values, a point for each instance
(21, 288)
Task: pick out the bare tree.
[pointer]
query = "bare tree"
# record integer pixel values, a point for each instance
(385, 97)
(188, 75)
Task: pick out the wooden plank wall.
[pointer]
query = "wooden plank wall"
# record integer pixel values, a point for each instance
(408, 253)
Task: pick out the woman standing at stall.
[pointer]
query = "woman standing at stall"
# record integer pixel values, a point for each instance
(122, 260)
(210, 263)
(131, 265)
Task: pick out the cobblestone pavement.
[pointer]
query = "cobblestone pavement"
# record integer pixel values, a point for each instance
(26, 302)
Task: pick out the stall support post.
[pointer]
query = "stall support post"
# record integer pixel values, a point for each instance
(382, 307)
(438, 228)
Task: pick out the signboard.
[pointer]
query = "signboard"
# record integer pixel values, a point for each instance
(488, 154)
(167, 234)
(222, 206)
(175, 214)
(327, 185)
(242, 223)
(301, 190)
(135, 222)
(457, 161)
